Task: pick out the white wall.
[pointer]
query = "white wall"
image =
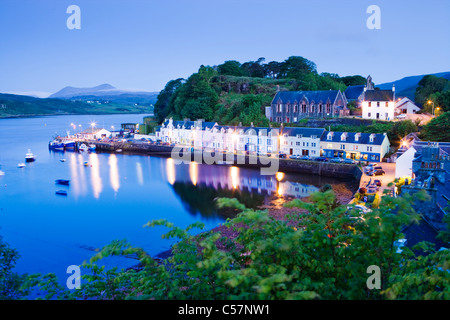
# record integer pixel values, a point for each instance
(385, 113)
(403, 164)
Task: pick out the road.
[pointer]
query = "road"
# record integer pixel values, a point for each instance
(389, 177)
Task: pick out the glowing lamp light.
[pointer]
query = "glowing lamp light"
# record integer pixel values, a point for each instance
(279, 176)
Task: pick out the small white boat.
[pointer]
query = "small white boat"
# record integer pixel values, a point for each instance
(83, 147)
(21, 165)
(29, 156)
(119, 150)
(2, 173)
(62, 160)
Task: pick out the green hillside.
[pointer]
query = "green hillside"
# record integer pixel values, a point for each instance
(233, 93)
(19, 106)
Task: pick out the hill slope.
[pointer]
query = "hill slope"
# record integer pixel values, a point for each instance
(18, 106)
(407, 85)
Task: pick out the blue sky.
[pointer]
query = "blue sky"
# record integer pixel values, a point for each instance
(142, 44)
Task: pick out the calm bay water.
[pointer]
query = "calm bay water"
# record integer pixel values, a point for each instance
(111, 198)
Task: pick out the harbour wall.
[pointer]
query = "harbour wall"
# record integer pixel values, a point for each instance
(336, 170)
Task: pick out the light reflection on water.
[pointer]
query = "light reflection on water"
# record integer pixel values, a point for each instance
(112, 197)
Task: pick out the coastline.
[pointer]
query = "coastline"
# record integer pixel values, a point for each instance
(23, 116)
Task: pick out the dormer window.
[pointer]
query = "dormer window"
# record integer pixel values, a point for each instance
(357, 135)
(344, 136)
(299, 136)
(330, 136)
(372, 137)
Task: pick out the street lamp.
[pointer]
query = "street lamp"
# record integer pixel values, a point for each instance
(431, 102)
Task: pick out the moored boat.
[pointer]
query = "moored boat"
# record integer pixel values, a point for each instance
(69, 145)
(62, 181)
(21, 165)
(29, 156)
(62, 192)
(56, 145)
(83, 147)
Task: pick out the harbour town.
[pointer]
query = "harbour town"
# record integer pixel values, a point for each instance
(221, 153)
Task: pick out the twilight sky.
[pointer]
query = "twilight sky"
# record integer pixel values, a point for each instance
(142, 44)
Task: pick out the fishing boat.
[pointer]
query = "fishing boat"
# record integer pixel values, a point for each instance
(29, 156)
(21, 165)
(62, 192)
(62, 181)
(69, 145)
(56, 145)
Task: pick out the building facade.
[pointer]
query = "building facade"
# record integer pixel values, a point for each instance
(406, 106)
(291, 106)
(354, 145)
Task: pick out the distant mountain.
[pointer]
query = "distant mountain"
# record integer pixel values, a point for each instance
(406, 87)
(69, 92)
(106, 92)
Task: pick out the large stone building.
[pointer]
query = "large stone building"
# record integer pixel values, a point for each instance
(291, 106)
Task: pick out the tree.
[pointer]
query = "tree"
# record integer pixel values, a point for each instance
(254, 68)
(438, 129)
(353, 80)
(231, 68)
(428, 85)
(164, 105)
(10, 282)
(297, 67)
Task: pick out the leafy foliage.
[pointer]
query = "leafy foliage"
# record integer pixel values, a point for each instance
(438, 129)
(10, 282)
(321, 251)
(435, 89)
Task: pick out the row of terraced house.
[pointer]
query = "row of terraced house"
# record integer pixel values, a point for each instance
(312, 142)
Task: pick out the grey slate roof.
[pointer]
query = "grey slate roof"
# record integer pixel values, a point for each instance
(305, 132)
(316, 96)
(379, 95)
(364, 138)
(353, 92)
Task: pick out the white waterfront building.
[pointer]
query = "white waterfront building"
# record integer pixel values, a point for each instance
(312, 142)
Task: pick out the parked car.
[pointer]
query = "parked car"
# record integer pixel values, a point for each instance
(401, 116)
(350, 161)
(377, 182)
(305, 158)
(282, 155)
(337, 160)
(323, 159)
(379, 172)
(378, 168)
(294, 156)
